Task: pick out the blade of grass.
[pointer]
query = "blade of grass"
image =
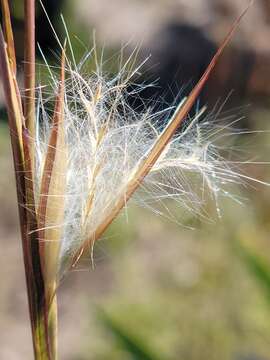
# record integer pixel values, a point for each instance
(51, 204)
(9, 34)
(35, 288)
(13, 99)
(50, 213)
(15, 121)
(133, 345)
(257, 265)
(147, 163)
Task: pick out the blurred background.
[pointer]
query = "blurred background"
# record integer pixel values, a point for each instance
(159, 290)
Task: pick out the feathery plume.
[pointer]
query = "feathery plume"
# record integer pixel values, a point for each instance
(106, 144)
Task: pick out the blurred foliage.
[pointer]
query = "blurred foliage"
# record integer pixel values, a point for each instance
(257, 265)
(134, 345)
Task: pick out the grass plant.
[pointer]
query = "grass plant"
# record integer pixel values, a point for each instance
(77, 169)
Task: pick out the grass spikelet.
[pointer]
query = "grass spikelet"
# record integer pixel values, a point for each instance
(77, 169)
(110, 150)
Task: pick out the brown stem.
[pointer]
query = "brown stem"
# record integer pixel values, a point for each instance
(39, 307)
(29, 66)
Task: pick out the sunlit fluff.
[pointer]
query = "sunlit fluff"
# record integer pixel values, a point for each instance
(105, 142)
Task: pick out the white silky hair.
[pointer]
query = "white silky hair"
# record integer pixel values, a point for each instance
(106, 140)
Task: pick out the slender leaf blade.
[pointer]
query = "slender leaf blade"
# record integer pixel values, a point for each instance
(257, 265)
(9, 34)
(133, 344)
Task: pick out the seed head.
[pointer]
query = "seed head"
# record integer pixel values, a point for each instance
(104, 144)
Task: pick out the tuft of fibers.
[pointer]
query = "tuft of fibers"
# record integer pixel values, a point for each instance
(106, 140)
